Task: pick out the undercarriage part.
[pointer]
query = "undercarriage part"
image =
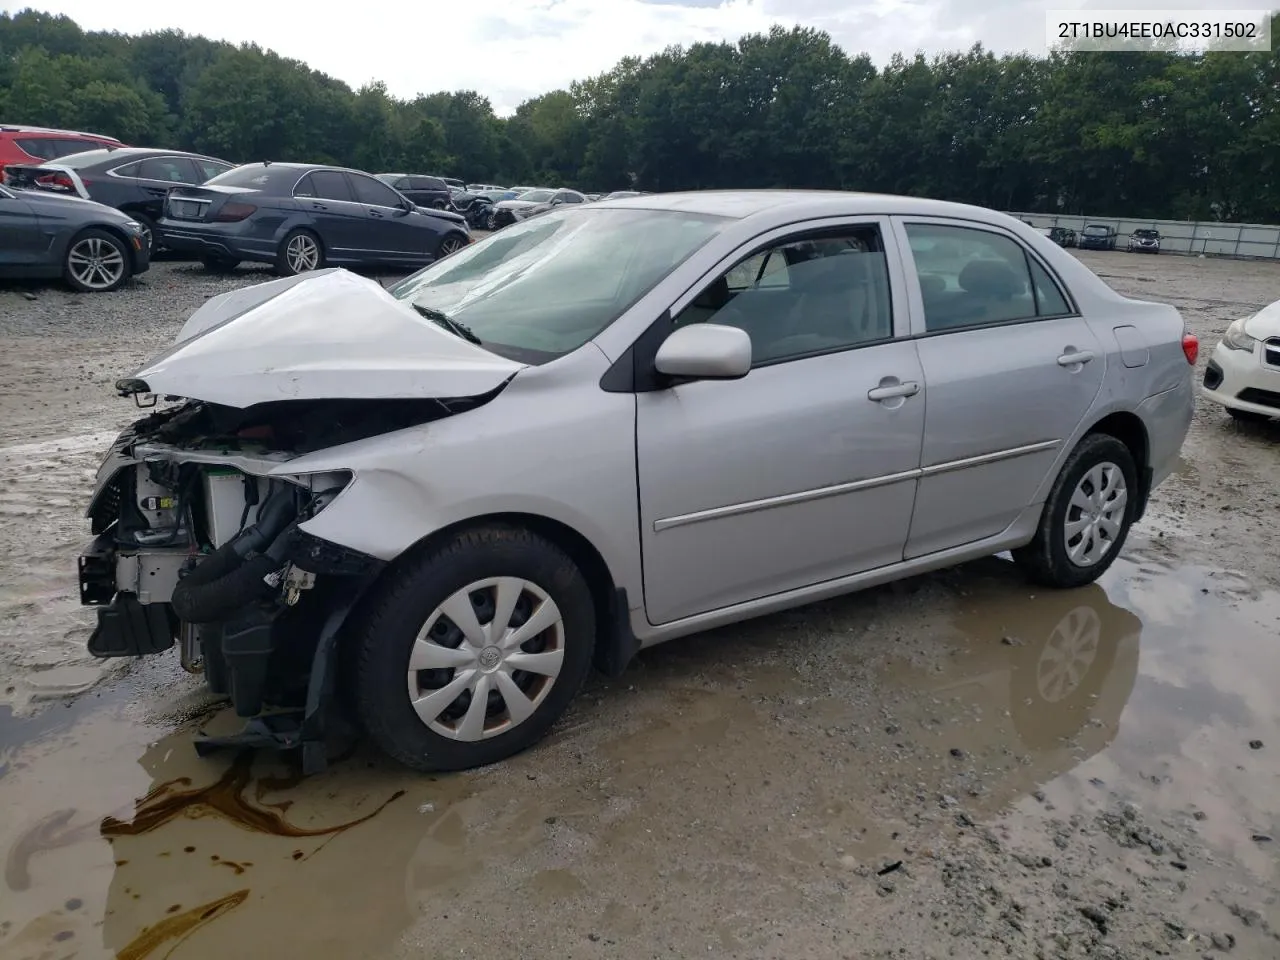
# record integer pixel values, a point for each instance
(127, 628)
(151, 575)
(98, 572)
(235, 574)
(247, 645)
(189, 651)
(306, 728)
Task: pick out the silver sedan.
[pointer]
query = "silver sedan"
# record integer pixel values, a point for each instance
(608, 427)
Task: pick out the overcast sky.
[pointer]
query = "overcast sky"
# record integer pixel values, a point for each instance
(511, 50)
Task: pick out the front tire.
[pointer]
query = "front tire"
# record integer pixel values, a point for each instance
(473, 651)
(1086, 517)
(299, 252)
(96, 261)
(452, 243)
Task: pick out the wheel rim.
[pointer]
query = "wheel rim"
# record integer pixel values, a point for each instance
(302, 253)
(451, 245)
(96, 263)
(1095, 514)
(1069, 653)
(486, 658)
(147, 237)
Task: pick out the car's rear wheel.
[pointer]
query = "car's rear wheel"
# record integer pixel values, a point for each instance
(217, 264)
(452, 244)
(1247, 416)
(148, 231)
(299, 252)
(96, 262)
(1086, 517)
(473, 651)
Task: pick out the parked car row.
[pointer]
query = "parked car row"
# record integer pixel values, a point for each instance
(1100, 236)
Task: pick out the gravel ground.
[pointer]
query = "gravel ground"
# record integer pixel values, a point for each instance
(952, 766)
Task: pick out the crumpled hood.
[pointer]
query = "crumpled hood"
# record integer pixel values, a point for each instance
(517, 204)
(330, 334)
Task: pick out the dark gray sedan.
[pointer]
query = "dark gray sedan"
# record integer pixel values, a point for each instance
(95, 248)
(301, 217)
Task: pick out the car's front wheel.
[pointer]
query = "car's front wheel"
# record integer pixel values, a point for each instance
(474, 650)
(96, 262)
(299, 252)
(1086, 517)
(452, 244)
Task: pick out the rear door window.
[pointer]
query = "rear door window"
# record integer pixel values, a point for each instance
(329, 185)
(170, 170)
(51, 148)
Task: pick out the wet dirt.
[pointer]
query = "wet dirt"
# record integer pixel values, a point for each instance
(956, 765)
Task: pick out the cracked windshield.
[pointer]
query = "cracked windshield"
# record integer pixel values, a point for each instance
(745, 479)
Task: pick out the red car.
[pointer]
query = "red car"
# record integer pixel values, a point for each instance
(20, 143)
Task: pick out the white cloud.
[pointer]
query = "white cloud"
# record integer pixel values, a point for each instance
(510, 50)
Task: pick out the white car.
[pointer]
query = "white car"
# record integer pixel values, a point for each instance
(1244, 372)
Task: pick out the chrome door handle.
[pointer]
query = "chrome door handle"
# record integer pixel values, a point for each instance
(907, 389)
(1075, 357)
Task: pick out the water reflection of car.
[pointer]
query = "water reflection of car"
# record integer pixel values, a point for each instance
(1144, 241)
(1051, 673)
(1098, 236)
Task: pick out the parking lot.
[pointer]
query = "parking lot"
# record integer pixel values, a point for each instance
(956, 765)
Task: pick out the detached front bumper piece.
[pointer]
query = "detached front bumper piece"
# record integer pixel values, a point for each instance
(126, 627)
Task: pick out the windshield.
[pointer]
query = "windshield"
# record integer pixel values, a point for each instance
(537, 196)
(1095, 231)
(1145, 234)
(254, 175)
(541, 288)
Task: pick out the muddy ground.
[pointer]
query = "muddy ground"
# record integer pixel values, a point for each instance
(954, 766)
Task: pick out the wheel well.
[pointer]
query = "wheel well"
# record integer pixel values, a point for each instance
(1129, 429)
(615, 644)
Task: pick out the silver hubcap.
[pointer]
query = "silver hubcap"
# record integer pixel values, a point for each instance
(486, 658)
(451, 245)
(147, 237)
(1095, 515)
(302, 254)
(96, 263)
(1070, 652)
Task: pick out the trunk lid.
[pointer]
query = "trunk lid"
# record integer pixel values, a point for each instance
(202, 204)
(326, 335)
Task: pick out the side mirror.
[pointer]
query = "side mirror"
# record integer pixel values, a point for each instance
(705, 351)
(406, 206)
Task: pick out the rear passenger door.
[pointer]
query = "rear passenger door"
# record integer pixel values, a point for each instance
(1011, 369)
(335, 216)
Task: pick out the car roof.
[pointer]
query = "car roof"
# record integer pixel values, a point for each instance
(788, 205)
(124, 154)
(51, 131)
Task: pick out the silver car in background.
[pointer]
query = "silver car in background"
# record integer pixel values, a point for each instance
(608, 427)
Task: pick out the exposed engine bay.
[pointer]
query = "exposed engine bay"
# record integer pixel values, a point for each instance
(197, 542)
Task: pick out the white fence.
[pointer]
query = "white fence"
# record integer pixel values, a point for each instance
(1257, 240)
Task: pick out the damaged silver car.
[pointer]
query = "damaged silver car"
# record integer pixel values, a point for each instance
(438, 505)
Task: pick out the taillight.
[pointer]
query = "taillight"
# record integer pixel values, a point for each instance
(56, 181)
(1190, 347)
(231, 212)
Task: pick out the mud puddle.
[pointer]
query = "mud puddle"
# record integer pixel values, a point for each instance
(783, 782)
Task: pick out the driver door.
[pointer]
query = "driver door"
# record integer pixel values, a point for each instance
(805, 470)
(20, 240)
(387, 232)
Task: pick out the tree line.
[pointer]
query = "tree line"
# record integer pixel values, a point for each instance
(1140, 134)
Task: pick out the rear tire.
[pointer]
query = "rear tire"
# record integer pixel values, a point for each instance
(148, 231)
(299, 252)
(452, 243)
(1086, 517)
(1247, 416)
(216, 264)
(440, 611)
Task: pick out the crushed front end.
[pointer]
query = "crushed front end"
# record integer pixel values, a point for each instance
(195, 518)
